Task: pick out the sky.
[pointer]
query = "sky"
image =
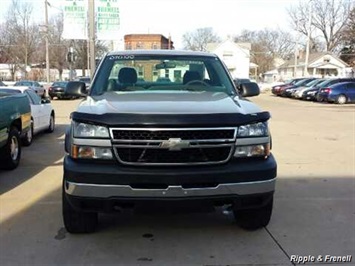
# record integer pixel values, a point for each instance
(176, 17)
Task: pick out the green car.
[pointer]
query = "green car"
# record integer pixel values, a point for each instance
(15, 122)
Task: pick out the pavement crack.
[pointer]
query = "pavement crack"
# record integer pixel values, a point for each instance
(279, 245)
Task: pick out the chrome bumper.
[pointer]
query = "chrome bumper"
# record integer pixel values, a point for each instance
(107, 191)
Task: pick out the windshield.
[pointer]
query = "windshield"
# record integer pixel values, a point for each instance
(151, 73)
(314, 82)
(324, 83)
(60, 84)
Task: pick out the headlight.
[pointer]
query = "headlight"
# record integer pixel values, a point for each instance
(87, 152)
(260, 150)
(253, 130)
(90, 131)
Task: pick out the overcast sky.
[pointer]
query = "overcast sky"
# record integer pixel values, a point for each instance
(175, 17)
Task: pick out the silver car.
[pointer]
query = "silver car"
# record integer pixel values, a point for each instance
(33, 85)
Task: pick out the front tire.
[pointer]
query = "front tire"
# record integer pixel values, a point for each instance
(12, 150)
(254, 218)
(51, 124)
(341, 99)
(27, 140)
(77, 222)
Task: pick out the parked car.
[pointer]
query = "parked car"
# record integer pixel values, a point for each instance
(287, 91)
(33, 85)
(340, 93)
(57, 89)
(2, 84)
(311, 94)
(299, 91)
(15, 120)
(277, 88)
(42, 113)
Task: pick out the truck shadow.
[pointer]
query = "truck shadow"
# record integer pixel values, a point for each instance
(311, 216)
(45, 150)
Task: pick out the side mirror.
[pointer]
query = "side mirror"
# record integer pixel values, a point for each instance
(249, 89)
(45, 100)
(76, 89)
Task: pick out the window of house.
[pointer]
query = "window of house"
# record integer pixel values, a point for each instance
(140, 71)
(326, 59)
(154, 46)
(177, 76)
(167, 73)
(227, 53)
(139, 45)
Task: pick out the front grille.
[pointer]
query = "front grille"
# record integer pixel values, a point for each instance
(173, 146)
(165, 156)
(166, 134)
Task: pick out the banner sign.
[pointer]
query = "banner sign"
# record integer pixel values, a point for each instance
(107, 19)
(75, 19)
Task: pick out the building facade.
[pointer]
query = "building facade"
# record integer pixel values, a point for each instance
(236, 56)
(147, 42)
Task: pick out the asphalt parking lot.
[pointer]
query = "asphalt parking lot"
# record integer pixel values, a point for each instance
(314, 209)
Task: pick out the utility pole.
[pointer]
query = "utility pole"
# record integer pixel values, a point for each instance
(46, 38)
(296, 55)
(92, 37)
(296, 52)
(308, 38)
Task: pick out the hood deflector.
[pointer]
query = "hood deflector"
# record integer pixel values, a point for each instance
(170, 120)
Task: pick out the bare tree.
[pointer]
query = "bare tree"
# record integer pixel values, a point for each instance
(197, 40)
(81, 51)
(328, 18)
(348, 36)
(266, 46)
(58, 47)
(20, 36)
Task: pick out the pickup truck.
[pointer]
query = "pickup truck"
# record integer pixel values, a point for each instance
(15, 122)
(166, 128)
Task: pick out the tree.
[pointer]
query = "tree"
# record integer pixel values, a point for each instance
(266, 46)
(328, 18)
(348, 51)
(81, 52)
(197, 40)
(20, 37)
(58, 47)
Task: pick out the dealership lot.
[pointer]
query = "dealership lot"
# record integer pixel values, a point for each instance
(314, 212)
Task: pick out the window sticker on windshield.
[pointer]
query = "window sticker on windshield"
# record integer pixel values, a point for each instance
(121, 57)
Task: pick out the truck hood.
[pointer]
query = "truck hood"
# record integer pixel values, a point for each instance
(168, 103)
(170, 109)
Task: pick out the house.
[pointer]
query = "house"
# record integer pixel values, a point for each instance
(319, 65)
(147, 42)
(236, 57)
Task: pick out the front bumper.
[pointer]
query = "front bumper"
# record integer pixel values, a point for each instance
(108, 191)
(106, 186)
(113, 173)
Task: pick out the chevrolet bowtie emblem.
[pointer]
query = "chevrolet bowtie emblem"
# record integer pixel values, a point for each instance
(175, 144)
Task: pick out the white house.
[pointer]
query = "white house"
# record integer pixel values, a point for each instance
(236, 56)
(319, 65)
